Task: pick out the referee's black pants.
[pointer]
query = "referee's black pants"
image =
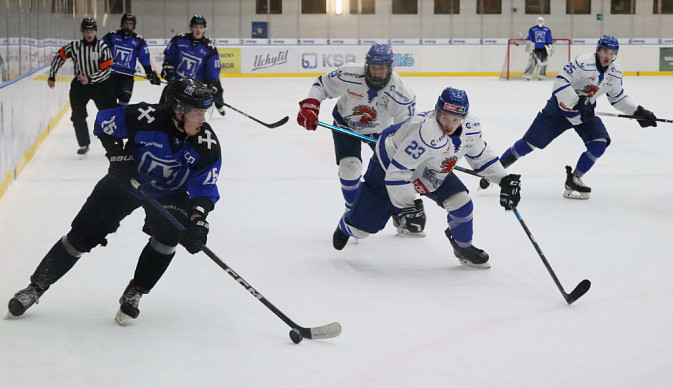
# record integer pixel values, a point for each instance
(80, 95)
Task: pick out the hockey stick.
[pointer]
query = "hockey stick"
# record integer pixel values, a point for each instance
(581, 288)
(346, 131)
(271, 125)
(297, 333)
(631, 117)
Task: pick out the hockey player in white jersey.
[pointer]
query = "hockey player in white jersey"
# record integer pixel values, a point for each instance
(577, 87)
(371, 97)
(417, 157)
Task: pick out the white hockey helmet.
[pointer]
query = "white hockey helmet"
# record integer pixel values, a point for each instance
(540, 21)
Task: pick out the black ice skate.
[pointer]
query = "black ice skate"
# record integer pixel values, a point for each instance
(470, 256)
(575, 188)
(82, 151)
(23, 299)
(129, 301)
(402, 229)
(339, 239)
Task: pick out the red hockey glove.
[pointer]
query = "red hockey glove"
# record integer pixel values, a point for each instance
(308, 113)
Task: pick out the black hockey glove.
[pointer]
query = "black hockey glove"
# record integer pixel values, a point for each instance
(510, 191)
(413, 218)
(585, 108)
(122, 166)
(195, 236)
(645, 117)
(168, 72)
(152, 76)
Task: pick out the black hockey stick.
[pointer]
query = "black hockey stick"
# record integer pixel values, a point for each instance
(271, 125)
(581, 288)
(297, 333)
(631, 117)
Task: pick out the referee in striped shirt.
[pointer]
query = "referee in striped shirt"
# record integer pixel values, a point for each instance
(93, 63)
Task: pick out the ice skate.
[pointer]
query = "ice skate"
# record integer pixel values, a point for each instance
(470, 256)
(575, 188)
(339, 239)
(402, 231)
(82, 151)
(23, 299)
(128, 308)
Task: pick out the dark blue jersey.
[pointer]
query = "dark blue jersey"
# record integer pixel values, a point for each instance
(540, 36)
(194, 58)
(126, 49)
(167, 159)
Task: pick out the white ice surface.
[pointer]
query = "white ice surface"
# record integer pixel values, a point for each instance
(411, 315)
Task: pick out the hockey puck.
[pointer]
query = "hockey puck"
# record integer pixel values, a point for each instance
(295, 336)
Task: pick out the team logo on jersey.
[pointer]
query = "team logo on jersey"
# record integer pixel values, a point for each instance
(166, 174)
(363, 114)
(188, 65)
(590, 90)
(123, 56)
(448, 163)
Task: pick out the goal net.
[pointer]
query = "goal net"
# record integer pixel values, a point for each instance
(516, 58)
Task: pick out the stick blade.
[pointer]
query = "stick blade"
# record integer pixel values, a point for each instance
(580, 290)
(322, 332)
(278, 123)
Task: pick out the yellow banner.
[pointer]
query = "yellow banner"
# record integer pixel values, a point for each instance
(231, 60)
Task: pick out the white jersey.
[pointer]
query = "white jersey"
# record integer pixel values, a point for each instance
(418, 156)
(580, 77)
(359, 108)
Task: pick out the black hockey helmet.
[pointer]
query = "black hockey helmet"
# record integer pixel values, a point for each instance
(198, 20)
(128, 17)
(187, 93)
(89, 24)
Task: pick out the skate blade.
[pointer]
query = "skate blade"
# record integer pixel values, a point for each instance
(121, 318)
(571, 194)
(468, 263)
(405, 233)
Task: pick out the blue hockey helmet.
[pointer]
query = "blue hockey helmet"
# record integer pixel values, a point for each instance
(608, 42)
(453, 101)
(380, 54)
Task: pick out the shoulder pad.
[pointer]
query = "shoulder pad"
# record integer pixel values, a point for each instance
(144, 115)
(207, 145)
(429, 132)
(472, 125)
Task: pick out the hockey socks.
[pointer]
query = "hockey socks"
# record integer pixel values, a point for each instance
(349, 189)
(520, 149)
(595, 149)
(460, 223)
(152, 264)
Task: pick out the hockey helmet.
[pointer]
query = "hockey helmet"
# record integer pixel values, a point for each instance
(380, 54)
(453, 101)
(128, 17)
(608, 42)
(89, 24)
(186, 94)
(198, 20)
(540, 21)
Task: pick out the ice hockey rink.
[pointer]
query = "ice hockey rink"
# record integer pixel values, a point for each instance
(411, 315)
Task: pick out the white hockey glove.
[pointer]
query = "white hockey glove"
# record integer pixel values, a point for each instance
(550, 49)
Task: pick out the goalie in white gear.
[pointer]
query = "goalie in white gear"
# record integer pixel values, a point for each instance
(417, 157)
(371, 97)
(540, 39)
(577, 87)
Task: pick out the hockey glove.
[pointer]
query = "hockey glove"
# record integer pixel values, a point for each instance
(585, 108)
(645, 117)
(308, 113)
(412, 218)
(510, 191)
(152, 76)
(195, 236)
(168, 72)
(122, 166)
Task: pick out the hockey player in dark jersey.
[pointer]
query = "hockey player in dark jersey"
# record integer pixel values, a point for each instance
(175, 155)
(127, 48)
(194, 55)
